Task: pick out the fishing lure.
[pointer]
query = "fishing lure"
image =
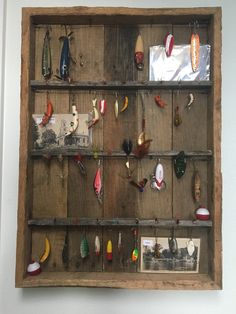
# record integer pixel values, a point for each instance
(46, 57)
(97, 245)
(191, 100)
(180, 163)
(190, 247)
(75, 121)
(48, 114)
(173, 245)
(125, 105)
(94, 113)
(135, 252)
(109, 255)
(102, 106)
(78, 160)
(177, 117)
(97, 183)
(65, 57)
(116, 108)
(157, 181)
(143, 144)
(169, 44)
(139, 53)
(142, 149)
(84, 248)
(127, 148)
(140, 185)
(196, 187)
(195, 49)
(119, 245)
(160, 103)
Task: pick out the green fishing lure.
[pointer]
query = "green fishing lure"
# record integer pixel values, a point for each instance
(180, 163)
(84, 248)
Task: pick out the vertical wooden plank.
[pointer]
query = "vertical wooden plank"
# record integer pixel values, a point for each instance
(88, 51)
(191, 133)
(216, 232)
(184, 205)
(119, 53)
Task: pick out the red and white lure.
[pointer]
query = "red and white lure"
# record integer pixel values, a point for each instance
(102, 106)
(157, 182)
(169, 44)
(97, 183)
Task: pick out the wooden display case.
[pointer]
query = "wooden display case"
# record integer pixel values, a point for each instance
(56, 201)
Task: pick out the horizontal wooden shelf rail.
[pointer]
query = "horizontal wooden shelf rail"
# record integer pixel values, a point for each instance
(130, 85)
(116, 154)
(74, 221)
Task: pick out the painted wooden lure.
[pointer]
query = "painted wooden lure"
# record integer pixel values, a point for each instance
(48, 114)
(94, 113)
(139, 53)
(195, 49)
(180, 163)
(102, 106)
(84, 248)
(196, 186)
(177, 117)
(97, 246)
(169, 44)
(75, 121)
(46, 57)
(97, 183)
(65, 58)
(135, 252)
(109, 254)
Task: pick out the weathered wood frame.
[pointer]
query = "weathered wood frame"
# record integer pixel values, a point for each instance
(213, 280)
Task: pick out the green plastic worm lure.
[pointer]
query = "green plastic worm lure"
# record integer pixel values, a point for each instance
(46, 57)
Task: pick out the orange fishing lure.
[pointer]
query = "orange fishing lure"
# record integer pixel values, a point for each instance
(195, 51)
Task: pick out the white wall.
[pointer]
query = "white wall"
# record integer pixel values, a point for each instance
(83, 300)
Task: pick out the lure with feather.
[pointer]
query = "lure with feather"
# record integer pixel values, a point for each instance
(97, 183)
